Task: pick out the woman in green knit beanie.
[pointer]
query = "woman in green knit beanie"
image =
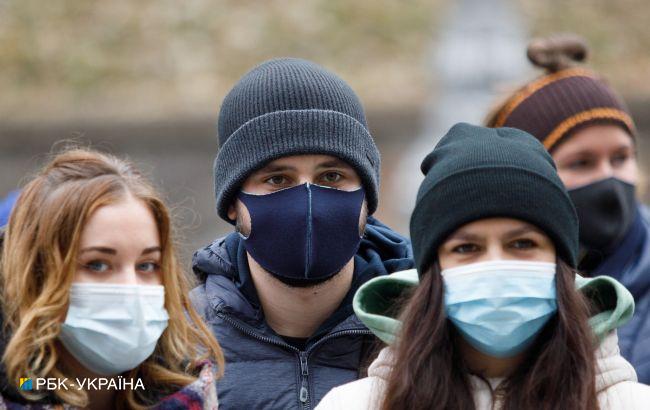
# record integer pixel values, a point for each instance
(499, 318)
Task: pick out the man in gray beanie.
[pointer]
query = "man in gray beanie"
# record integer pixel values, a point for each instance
(297, 173)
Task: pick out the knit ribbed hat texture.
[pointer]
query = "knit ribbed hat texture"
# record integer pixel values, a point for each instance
(477, 172)
(290, 107)
(557, 104)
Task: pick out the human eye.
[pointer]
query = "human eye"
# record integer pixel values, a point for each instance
(277, 180)
(523, 244)
(580, 163)
(97, 266)
(148, 267)
(619, 159)
(465, 248)
(331, 177)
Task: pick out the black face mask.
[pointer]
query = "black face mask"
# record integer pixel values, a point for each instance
(606, 210)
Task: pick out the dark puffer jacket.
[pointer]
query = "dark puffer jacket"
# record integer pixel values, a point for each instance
(262, 370)
(630, 265)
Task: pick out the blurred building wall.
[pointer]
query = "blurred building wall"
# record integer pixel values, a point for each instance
(145, 79)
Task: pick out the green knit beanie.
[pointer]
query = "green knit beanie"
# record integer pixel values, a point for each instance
(475, 173)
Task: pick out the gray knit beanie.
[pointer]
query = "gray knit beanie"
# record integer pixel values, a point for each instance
(288, 107)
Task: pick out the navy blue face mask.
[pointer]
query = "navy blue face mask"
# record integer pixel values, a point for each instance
(305, 234)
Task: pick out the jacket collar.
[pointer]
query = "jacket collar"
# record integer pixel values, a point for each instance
(223, 266)
(611, 367)
(614, 303)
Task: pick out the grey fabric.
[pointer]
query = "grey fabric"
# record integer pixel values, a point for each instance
(290, 107)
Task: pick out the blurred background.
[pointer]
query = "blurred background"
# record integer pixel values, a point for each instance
(145, 79)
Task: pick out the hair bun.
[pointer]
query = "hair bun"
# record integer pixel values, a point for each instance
(557, 52)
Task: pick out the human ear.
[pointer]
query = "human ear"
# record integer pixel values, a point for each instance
(232, 212)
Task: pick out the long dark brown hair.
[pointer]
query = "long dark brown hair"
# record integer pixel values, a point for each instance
(430, 373)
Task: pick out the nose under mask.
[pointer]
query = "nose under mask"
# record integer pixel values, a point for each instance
(305, 234)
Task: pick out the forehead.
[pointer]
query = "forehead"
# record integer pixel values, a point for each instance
(305, 163)
(595, 138)
(127, 223)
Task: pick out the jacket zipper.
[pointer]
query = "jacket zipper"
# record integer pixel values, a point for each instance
(304, 380)
(337, 334)
(303, 356)
(244, 329)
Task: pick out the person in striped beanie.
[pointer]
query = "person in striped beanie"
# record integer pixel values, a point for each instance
(588, 130)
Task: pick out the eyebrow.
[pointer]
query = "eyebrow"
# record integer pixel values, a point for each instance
(111, 251)
(334, 163)
(581, 153)
(625, 147)
(276, 168)
(152, 250)
(101, 249)
(522, 230)
(464, 236)
(588, 152)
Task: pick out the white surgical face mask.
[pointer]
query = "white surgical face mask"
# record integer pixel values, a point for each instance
(500, 306)
(113, 328)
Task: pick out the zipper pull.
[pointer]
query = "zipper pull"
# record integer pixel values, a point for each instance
(303, 365)
(304, 393)
(304, 369)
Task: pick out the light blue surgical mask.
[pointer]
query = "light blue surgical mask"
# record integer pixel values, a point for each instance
(499, 307)
(113, 328)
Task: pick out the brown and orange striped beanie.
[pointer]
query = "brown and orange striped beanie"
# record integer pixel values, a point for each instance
(564, 99)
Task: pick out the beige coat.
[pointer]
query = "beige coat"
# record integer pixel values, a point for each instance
(616, 384)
